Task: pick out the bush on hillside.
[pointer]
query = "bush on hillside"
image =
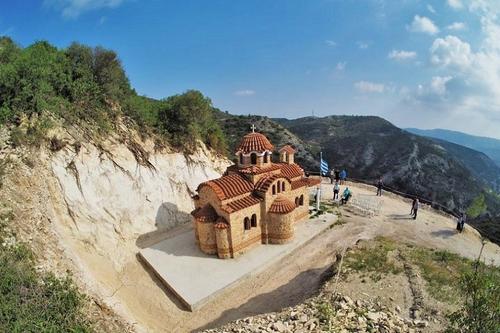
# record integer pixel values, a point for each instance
(480, 312)
(88, 86)
(32, 301)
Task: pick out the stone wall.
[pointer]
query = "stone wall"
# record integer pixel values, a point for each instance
(241, 239)
(280, 228)
(206, 234)
(222, 238)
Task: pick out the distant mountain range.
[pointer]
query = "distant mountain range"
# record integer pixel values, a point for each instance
(489, 146)
(371, 147)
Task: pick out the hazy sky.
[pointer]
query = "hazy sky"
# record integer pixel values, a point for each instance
(416, 63)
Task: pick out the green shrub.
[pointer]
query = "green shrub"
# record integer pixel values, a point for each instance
(480, 312)
(32, 301)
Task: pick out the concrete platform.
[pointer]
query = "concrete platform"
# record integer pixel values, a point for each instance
(196, 277)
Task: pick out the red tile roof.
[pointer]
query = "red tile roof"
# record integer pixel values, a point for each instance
(240, 204)
(291, 170)
(254, 142)
(299, 183)
(229, 186)
(205, 214)
(281, 205)
(289, 149)
(313, 181)
(264, 183)
(221, 223)
(257, 170)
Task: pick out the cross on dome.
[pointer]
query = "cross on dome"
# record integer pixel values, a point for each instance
(253, 128)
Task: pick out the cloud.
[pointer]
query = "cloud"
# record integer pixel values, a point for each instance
(363, 45)
(245, 92)
(72, 9)
(431, 9)
(340, 66)
(330, 43)
(402, 55)
(451, 51)
(456, 26)
(423, 24)
(465, 93)
(370, 87)
(438, 84)
(455, 4)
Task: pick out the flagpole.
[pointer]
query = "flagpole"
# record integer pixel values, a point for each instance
(318, 192)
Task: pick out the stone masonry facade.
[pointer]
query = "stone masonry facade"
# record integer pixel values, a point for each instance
(255, 202)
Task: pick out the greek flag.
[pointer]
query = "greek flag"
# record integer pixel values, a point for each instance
(323, 167)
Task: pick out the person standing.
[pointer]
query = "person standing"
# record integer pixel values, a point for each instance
(343, 176)
(332, 176)
(415, 206)
(412, 204)
(336, 190)
(459, 222)
(462, 222)
(380, 185)
(337, 176)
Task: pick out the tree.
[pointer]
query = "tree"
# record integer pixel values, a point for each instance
(110, 75)
(189, 117)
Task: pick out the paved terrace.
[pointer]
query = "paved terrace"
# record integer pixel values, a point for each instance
(196, 278)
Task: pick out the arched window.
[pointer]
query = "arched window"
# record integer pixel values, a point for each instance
(296, 201)
(278, 185)
(301, 200)
(286, 157)
(274, 189)
(254, 221)
(246, 223)
(266, 157)
(253, 158)
(283, 186)
(241, 158)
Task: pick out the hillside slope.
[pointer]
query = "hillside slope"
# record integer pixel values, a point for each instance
(478, 163)
(489, 146)
(235, 127)
(371, 147)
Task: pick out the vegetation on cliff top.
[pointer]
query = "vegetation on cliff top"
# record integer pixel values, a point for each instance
(88, 87)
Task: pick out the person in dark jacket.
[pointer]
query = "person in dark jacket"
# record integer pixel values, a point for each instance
(412, 204)
(415, 207)
(380, 185)
(343, 176)
(461, 222)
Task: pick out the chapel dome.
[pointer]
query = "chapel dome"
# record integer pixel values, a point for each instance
(254, 142)
(281, 205)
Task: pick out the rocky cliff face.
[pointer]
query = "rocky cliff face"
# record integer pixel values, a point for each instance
(89, 207)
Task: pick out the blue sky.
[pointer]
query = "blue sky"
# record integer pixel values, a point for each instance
(416, 63)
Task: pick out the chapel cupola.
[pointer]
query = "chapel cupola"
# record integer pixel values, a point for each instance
(254, 150)
(287, 154)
